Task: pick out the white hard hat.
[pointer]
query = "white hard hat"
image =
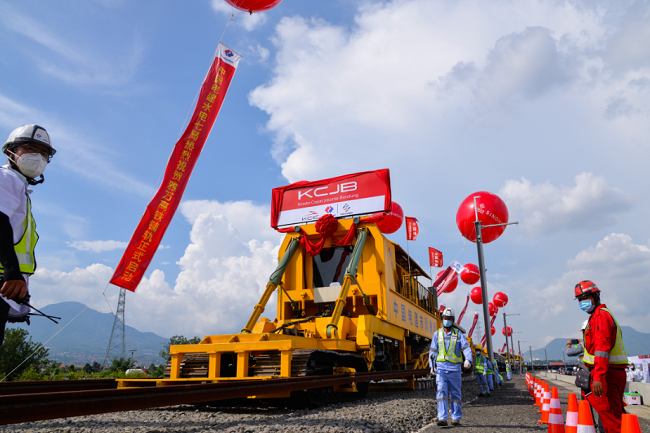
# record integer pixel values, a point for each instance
(29, 134)
(448, 313)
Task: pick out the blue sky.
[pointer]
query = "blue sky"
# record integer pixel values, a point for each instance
(542, 102)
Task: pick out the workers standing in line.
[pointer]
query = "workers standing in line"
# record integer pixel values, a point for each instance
(448, 345)
(480, 370)
(508, 372)
(604, 356)
(28, 150)
(495, 370)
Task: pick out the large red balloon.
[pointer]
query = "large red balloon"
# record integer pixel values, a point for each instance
(454, 282)
(254, 5)
(470, 274)
(500, 299)
(476, 295)
(509, 331)
(493, 330)
(393, 221)
(491, 210)
(493, 309)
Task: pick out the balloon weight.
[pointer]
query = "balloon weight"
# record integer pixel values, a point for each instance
(470, 274)
(491, 210)
(393, 221)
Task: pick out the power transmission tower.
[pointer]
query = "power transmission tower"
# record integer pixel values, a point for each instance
(117, 343)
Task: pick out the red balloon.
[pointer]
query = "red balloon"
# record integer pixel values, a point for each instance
(500, 299)
(493, 309)
(470, 274)
(393, 221)
(254, 5)
(491, 210)
(453, 284)
(493, 330)
(509, 331)
(476, 295)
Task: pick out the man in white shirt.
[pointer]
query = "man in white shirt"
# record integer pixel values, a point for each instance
(28, 150)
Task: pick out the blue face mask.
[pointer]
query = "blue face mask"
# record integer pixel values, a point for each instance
(447, 323)
(586, 305)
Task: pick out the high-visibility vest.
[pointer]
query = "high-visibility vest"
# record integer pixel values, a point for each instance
(443, 353)
(507, 367)
(478, 364)
(24, 248)
(616, 355)
(489, 368)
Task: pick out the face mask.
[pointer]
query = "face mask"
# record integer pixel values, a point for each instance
(447, 323)
(586, 306)
(31, 164)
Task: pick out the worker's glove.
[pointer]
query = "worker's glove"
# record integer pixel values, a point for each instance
(485, 373)
(467, 364)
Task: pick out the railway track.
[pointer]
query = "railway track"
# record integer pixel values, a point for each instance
(36, 401)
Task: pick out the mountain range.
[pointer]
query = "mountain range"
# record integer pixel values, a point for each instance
(86, 338)
(636, 343)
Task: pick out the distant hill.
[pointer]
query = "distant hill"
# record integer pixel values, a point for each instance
(636, 343)
(86, 338)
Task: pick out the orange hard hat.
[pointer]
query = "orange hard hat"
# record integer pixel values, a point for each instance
(586, 287)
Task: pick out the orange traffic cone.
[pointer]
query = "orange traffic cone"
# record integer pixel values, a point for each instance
(546, 407)
(537, 399)
(630, 424)
(585, 421)
(572, 415)
(542, 387)
(555, 419)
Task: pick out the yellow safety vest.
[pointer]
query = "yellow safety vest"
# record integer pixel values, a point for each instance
(25, 247)
(616, 355)
(478, 364)
(443, 354)
(507, 367)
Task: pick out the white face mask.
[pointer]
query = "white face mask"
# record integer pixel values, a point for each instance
(31, 164)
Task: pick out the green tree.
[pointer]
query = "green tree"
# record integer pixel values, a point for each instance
(176, 339)
(97, 367)
(88, 368)
(71, 368)
(17, 347)
(158, 372)
(121, 364)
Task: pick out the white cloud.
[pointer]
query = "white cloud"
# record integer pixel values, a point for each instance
(441, 81)
(545, 208)
(97, 246)
(66, 61)
(222, 278)
(619, 267)
(76, 151)
(248, 21)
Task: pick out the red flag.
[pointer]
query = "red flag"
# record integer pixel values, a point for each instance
(462, 313)
(161, 209)
(444, 280)
(412, 229)
(442, 308)
(471, 330)
(505, 345)
(435, 258)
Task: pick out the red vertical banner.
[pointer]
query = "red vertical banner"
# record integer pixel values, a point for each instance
(462, 313)
(474, 322)
(435, 258)
(412, 229)
(161, 209)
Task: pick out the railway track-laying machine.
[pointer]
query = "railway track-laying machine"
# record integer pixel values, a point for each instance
(348, 300)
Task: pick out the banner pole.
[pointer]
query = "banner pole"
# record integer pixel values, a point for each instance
(409, 256)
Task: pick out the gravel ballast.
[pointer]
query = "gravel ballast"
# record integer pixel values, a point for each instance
(509, 409)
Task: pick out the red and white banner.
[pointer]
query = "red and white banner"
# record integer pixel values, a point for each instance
(161, 209)
(447, 277)
(462, 313)
(353, 194)
(412, 229)
(441, 308)
(503, 349)
(435, 258)
(483, 341)
(474, 322)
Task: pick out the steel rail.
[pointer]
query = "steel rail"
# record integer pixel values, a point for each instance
(19, 408)
(45, 386)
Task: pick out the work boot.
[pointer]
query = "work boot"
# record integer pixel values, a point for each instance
(455, 423)
(481, 395)
(442, 422)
